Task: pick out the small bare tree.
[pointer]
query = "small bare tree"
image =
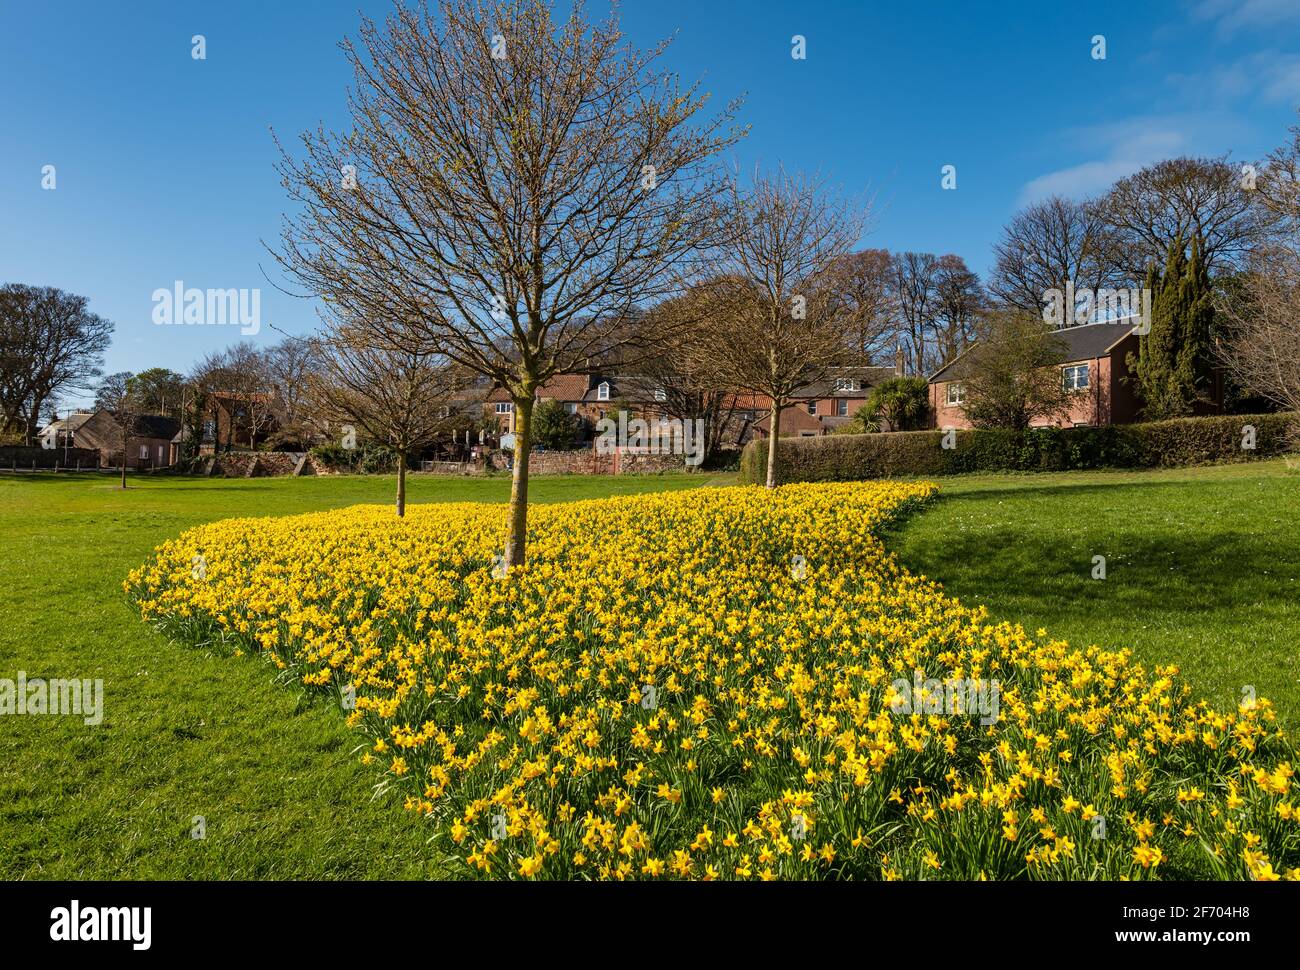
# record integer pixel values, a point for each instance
(509, 190)
(119, 396)
(775, 320)
(402, 397)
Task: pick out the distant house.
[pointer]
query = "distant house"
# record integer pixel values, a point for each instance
(238, 421)
(588, 397)
(63, 432)
(150, 443)
(1093, 364)
(823, 406)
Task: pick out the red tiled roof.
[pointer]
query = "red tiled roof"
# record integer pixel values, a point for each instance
(561, 387)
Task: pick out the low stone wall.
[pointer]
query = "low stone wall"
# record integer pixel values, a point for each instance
(237, 464)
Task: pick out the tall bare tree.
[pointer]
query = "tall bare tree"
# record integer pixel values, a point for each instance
(1278, 185)
(959, 302)
(510, 188)
(1046, 246)
(863, 281)
(289, 366)
(1183, 198)
(401, 396)
(50, 344)
(915, 288)
(776, 320)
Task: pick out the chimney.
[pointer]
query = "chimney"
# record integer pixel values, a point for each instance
(898, 360)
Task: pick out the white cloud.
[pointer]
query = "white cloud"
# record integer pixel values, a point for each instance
(1117, 149)
(1231, 16)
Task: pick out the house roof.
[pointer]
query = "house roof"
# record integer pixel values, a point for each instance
(1084, 342)
(71, 423)
(154, 426)
(867, 378)
(579, 388)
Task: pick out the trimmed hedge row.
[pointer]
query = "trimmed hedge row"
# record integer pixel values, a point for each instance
(1156, 444)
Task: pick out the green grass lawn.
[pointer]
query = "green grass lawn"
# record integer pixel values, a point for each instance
(1202, 565)
(188, 732)
(1203, 569)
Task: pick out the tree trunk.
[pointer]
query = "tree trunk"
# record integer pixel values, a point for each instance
(125, 442)
(772, 442)
(401, 483)
(517, 537)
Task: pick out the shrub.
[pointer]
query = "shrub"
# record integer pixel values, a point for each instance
(553, 426)
(368, 459)
(1157, 444)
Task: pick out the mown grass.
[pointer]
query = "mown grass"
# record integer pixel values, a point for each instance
(1202, 565)
(188, 732)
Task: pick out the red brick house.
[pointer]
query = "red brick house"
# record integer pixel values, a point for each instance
(821, 407)
(1093, 364)
(588, 397)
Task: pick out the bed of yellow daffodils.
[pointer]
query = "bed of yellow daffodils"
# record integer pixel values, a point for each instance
(729, 684)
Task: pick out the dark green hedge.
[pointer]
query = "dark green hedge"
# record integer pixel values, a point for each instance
(1157, 444)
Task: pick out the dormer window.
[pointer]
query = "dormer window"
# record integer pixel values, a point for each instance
(661, 394)
(602, 392)
(846, 384)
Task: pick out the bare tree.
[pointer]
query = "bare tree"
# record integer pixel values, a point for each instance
(915, 283)
(1045, 247)
(50, 344)
(1182, 198)
(959, 302)
(775, 320)
(509, 189)
(239, 378)
(1278, 185)
(863, 285)
(396, 395)
(681, 386)
(119, 396)
(289, 366)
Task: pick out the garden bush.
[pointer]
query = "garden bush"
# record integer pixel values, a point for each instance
(1156, 444)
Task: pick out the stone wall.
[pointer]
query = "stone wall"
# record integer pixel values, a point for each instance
(237, 464)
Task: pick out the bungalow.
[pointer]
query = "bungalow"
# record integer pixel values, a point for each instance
(150, 445)
(1093, 363)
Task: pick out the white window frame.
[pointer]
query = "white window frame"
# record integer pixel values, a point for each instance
(841, 408)
(812, 407)
(955, 394)
(505, 407)
(144, 452)
(845, 384)
(1070, 377)
(602, 392)
(571, 407)
(661, 394)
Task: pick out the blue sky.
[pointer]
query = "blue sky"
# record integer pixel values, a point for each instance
(164, 164)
